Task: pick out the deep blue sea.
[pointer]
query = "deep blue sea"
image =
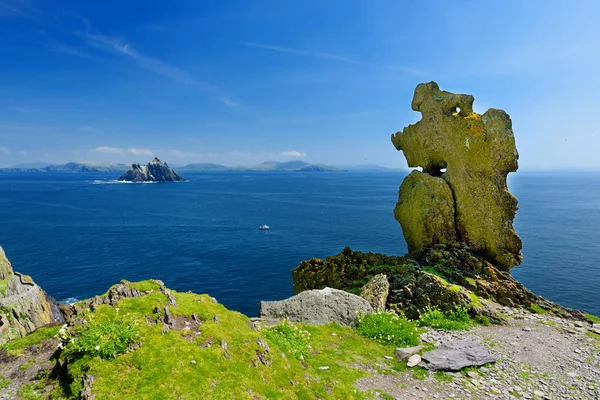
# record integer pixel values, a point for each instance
(77, 234)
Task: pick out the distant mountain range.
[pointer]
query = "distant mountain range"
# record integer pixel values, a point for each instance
(68, 167)
(289, 166)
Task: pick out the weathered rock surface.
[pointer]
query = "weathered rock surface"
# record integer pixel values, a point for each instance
(24, 306)
(444, 276)
(154, 171)
(115, 293)
(376, 292)
(469, 201)
(404, 353)
(425, 211)
(452, 356)
(318, 307)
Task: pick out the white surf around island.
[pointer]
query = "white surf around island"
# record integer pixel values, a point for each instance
(115, 182)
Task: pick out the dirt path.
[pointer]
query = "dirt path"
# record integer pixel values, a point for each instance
(539, 357)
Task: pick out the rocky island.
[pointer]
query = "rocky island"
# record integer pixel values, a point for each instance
(445, 321)
(154, 171)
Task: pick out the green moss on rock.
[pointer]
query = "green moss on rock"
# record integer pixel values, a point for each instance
(471, 195)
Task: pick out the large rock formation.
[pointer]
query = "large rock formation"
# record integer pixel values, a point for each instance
(443, 276)
(24, 306)
(468, 202)
(318, 307)
(154, 171)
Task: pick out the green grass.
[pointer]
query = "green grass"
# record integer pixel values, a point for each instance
(106, 339)
(26, 365)
(4, 382)
(458, 319)
(419, 373)
(290, 338)
(592, 318)
(3, 286)
(17, 346)
(388, 327)
(441, 376)
(32, 391)
(483, 320)
(162, 367)
(534, 308)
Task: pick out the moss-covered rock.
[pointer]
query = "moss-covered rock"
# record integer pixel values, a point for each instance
(425, 210)
(477, 153)
(210, 352)
(444, 276)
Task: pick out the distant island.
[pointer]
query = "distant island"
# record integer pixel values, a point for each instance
(287, 166)
(154, 171)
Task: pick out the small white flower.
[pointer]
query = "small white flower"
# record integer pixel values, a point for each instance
(117, 308)
(97, 347)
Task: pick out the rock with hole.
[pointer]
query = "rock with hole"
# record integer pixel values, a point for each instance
(471, 154)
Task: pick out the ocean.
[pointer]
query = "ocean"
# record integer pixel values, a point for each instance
(78, 234)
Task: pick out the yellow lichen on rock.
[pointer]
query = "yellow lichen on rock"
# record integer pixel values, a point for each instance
(477, 153)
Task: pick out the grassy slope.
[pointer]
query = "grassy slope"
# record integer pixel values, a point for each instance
(162, 367)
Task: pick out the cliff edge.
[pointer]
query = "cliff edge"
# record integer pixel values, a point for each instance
(24, 306)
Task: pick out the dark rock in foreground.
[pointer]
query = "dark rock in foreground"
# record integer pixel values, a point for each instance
(154, 171)
(318, 307)
(453, 356)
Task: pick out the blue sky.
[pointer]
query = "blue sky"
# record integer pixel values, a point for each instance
(240, 82)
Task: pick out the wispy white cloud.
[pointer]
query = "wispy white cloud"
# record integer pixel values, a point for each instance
(228, 101)
(268, 155)
(120, 47)
(4, 150)
(109, 150)
(182, 153)
(293, 153)
(140, 152)
(304, 52)
(330, 56)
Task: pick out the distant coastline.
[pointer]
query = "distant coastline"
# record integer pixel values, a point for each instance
(267, 166)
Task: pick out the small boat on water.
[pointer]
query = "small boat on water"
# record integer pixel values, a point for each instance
(264, 227)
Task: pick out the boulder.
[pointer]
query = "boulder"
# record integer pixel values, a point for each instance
(376, 292)
(425, 210)
(452, 356)
(471, 155)
(154, 171)
(404, 353)
(24, 306)
(318, 307)
(444, 276)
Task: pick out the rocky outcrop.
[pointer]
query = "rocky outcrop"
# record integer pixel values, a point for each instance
(455, 355)
(318, 307)
(24, 306)
(461, 195)
(376, 292)
(154, 171)
(443, 276)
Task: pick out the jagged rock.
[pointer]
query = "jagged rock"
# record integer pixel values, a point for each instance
(404, 353)
(376, 292)
(452, 356)
(318, 307)
(444, 276)
(477, 153)
(24, 306)
(154, 171)
(86, 390)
